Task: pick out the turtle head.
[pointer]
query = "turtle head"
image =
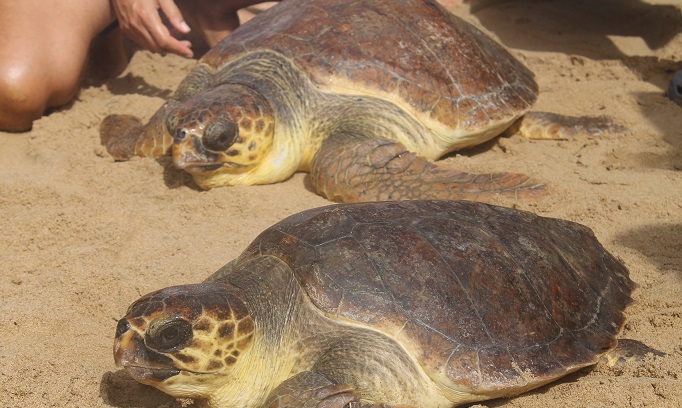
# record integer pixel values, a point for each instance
(185, 340)
(221, 135)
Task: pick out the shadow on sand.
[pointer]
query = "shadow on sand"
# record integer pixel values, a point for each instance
(118, 389)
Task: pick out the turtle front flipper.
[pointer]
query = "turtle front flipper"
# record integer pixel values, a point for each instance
(311, 389)
(380, 169)
(545, 125)
(124, 136)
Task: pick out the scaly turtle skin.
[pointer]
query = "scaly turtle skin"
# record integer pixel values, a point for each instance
(406, 304)
(363, 94)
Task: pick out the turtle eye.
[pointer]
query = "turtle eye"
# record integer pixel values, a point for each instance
(169, 335)
(180, 134)
(218, 136)
(177, 133)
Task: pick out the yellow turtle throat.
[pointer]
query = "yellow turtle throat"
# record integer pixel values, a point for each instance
(185, 345)
(223, 136)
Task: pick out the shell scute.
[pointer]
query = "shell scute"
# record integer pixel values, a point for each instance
(463, 367)
(498, 367)
(568, 348)
(348, 255)
(536, 361)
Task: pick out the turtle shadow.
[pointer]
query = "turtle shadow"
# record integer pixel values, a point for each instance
(476, 150)
(664, 114)
(567, 379)
(118, 389)
(175, 178)
(130, 83)
(540, 26)
(660, 243)
(596, 28)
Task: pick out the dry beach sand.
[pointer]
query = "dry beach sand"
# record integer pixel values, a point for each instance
(83, 236)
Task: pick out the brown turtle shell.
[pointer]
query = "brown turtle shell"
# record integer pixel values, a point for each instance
(411, 52)
(485, 298)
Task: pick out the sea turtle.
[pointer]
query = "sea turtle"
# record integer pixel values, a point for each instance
(363, 94)
(405, 303)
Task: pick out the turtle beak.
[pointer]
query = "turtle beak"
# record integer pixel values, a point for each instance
(190, 155)
(188, 152)
(143, 365)
(129, 348)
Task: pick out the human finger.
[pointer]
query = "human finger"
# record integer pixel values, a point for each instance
(165, 42)
(133, 17)
(172, 12)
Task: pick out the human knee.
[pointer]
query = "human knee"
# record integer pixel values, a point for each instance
(22, 97)
(25, 94)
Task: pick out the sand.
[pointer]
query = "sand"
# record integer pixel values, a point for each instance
(83, 236)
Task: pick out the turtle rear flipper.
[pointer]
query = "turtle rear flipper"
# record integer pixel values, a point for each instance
(124, 136)
(380, 169)
(546, 125)
(628, 350)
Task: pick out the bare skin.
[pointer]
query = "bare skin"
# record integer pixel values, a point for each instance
(46, 45)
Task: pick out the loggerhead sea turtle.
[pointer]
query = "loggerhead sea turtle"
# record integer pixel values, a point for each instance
(407, 304)
(363, 94)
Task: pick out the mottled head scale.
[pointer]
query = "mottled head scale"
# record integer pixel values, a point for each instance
(184, 340)
(227, 130)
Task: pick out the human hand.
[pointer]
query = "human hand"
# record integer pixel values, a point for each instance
(140, 20)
